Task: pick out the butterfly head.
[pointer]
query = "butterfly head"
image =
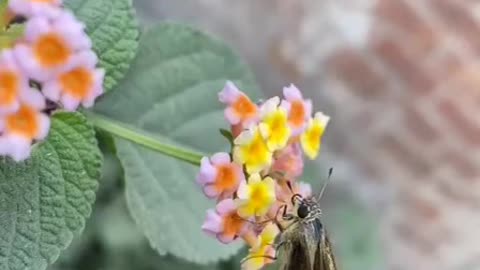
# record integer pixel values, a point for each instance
(305, 209)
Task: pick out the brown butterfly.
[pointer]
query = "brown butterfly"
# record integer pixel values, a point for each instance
(303, 244)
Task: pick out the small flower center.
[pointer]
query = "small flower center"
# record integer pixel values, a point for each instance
(23, 122)
(258, 148)
(260, 196)
(77, 82)
(51, 50)
(232, 224)
(226, 178)
(313, 136)
(8, 87)
(244, 107)
(277, 124)
(297, 113)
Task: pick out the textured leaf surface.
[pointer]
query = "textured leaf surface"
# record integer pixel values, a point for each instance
(114, 31)
(171, 90)
(45, 200)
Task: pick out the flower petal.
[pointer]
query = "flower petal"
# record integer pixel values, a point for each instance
(226, 238)
(226, 206)
(213, 222)
(36, 27)
(17, 147)
(51, 90)
(207, 172)
(69, 102)
(305, 189)
(243, 191)
(220, 158)
(291, 92)
(269, 106)
(43, 126)
(33, 98)
(229, 94)
(231, 116)
(211, 191)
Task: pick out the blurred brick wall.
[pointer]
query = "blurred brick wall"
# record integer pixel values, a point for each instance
(401, 79)
(409, 101)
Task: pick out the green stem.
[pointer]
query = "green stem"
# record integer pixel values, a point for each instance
(122, 131)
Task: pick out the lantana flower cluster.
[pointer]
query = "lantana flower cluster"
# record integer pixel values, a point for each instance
(260, 173)
(50, 66)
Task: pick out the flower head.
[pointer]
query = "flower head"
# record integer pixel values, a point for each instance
(311, 137)
(79, 82)
(30, 8)
(224, 222)
(219, 176)
(267, 150)
(50, 45)
(20, 128)
(12, 83)
(274, 125)
(299, 109)
(240, 108)
(255, 197)
(50, 58)
(250, 149)
(263, 252)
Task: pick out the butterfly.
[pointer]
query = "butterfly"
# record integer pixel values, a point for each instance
(303, 243)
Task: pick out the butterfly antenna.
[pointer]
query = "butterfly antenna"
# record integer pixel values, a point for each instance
(330, 172)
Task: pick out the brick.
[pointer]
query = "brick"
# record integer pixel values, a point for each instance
(369, 166)
(339, 141)
(399, 14)
(362, 119)
(418, 126)
(404, 66)
(372, 169)
(400, 152)
(408, 233)
(459, 123)
(446, 65)
(422, 207)
(353, 69)
(279, 59)
(459, 18)
(445, 188)
(462, 165)
(466, 82)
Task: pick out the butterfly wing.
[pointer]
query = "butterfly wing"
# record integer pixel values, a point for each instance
(298, 256)
(324, 258)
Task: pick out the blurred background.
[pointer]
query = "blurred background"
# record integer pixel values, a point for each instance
(401, 80)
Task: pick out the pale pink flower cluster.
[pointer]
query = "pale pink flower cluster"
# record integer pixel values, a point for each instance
(51, 66)
(252, 182)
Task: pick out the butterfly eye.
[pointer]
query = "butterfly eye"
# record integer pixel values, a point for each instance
(302, 211)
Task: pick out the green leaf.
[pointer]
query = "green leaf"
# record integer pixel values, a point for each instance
(8, 36)
(3, 9)
(227, 134)
(113, 28)
(171, 90)
(45, 200)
